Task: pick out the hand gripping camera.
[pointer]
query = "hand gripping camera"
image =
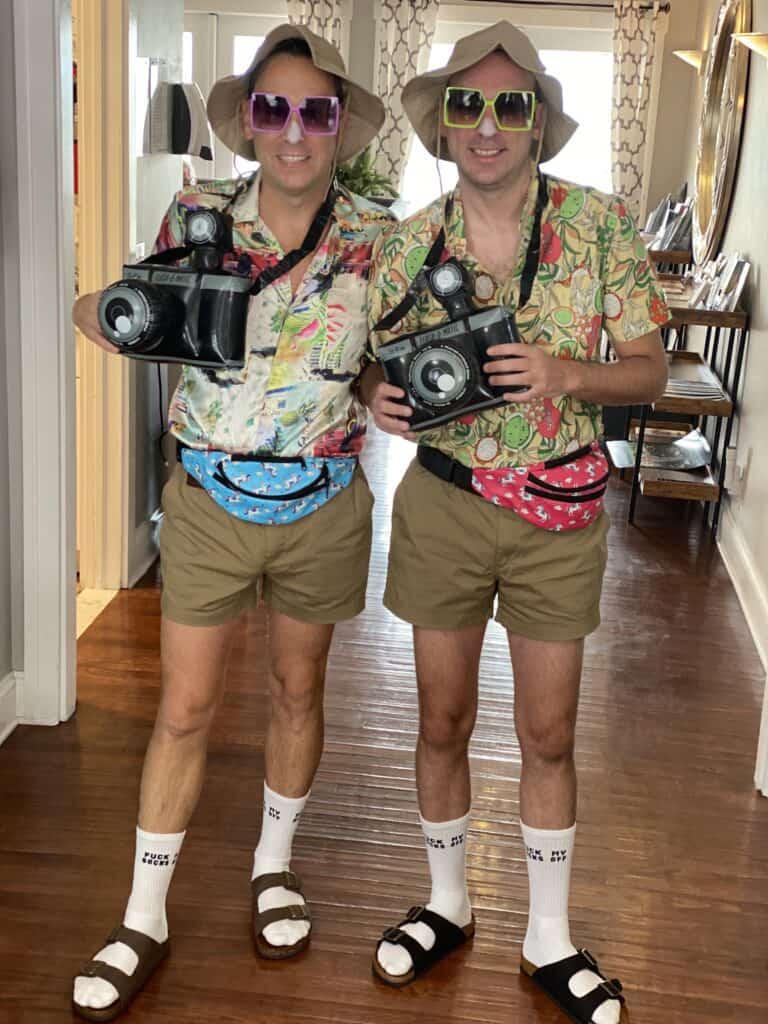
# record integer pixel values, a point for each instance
(195, 315)
(440, 369)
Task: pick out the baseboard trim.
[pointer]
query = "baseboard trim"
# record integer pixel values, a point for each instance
(753, 599)
(8, 719)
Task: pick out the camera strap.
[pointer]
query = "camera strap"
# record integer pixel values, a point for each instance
(310, 243)
(288, 262)
(419, 283)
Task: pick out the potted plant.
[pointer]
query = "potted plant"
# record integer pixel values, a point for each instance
(361, 177)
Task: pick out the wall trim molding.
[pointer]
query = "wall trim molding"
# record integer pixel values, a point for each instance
(8, 716)
(42, 38)
(753, 599)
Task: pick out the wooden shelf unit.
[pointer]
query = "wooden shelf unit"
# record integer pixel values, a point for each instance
(718, 367)
(671, 257)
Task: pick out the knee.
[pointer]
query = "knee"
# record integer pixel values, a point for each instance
(447, 731)
(297, 691)
(182, 716)
(547, 743)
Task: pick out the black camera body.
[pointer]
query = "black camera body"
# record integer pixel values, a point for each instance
(441, 368)
(195, 315)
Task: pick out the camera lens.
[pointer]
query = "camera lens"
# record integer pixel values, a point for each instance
(446, 279)
(204, 227)
(440, 376)
(136, 315)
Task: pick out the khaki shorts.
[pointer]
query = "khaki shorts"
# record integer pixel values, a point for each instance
(215, 565)
(453, 552)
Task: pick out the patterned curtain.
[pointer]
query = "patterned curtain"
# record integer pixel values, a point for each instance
(637, 28)
(404, 31)
(322, 16)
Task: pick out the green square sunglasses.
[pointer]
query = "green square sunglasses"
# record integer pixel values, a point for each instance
(513, 109)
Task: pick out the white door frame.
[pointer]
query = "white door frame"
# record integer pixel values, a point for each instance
(43, 40)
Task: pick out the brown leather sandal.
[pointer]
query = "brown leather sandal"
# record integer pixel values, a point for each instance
(296, 912)
(150, 953)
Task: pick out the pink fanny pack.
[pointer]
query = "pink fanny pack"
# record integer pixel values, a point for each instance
(565, 493)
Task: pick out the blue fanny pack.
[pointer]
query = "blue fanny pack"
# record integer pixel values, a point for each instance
(270, 491)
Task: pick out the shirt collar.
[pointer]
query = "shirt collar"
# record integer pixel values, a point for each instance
(245, 209)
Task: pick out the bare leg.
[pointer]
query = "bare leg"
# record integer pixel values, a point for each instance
(446, 669)
(194, 660)
(298, 653)
(547, 678)
(194, 666)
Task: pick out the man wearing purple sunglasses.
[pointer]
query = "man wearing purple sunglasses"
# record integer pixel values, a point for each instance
(297, 112)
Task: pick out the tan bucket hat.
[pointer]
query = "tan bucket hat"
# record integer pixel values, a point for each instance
(365, 112)
(423, 96)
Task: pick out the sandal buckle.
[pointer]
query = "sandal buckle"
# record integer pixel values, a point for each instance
(590, 959)
(393, 934)
(296, 912)
(414, 914)
(612, 988)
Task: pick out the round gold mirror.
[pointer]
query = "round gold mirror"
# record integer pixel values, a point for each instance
(725, 88)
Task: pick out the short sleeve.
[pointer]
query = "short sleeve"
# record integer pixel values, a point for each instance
(633, 301)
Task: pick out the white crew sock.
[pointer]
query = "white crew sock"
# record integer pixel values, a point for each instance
(279, 823)
(548, 854)
(447, 855)
(153, 866)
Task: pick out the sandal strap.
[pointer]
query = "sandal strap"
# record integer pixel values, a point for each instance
(117, 978)
(293, 912)
(448, 937)
(555, 979)
(148, 952)
(144, 946)
(276, 880)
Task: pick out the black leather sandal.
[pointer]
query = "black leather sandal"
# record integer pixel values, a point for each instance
(448, 937)
(554, 981)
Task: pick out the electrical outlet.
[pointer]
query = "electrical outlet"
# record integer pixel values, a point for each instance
(736, 469)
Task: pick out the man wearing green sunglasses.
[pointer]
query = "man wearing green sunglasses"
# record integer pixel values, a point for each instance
(504, 505)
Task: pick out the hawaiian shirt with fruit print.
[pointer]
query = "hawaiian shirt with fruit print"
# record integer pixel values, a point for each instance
(303, 351)
(594, 275)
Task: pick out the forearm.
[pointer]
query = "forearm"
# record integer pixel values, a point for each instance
(634, 380)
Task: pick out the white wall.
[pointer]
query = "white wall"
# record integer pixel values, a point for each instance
(743, 534)
(669, 165)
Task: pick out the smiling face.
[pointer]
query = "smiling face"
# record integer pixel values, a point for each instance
(293, 162)
(487, 158)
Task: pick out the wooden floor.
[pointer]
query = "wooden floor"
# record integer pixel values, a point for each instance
(670, 886)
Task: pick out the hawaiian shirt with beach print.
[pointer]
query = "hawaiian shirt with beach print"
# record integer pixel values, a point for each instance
(594, 274)
(293, 396)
